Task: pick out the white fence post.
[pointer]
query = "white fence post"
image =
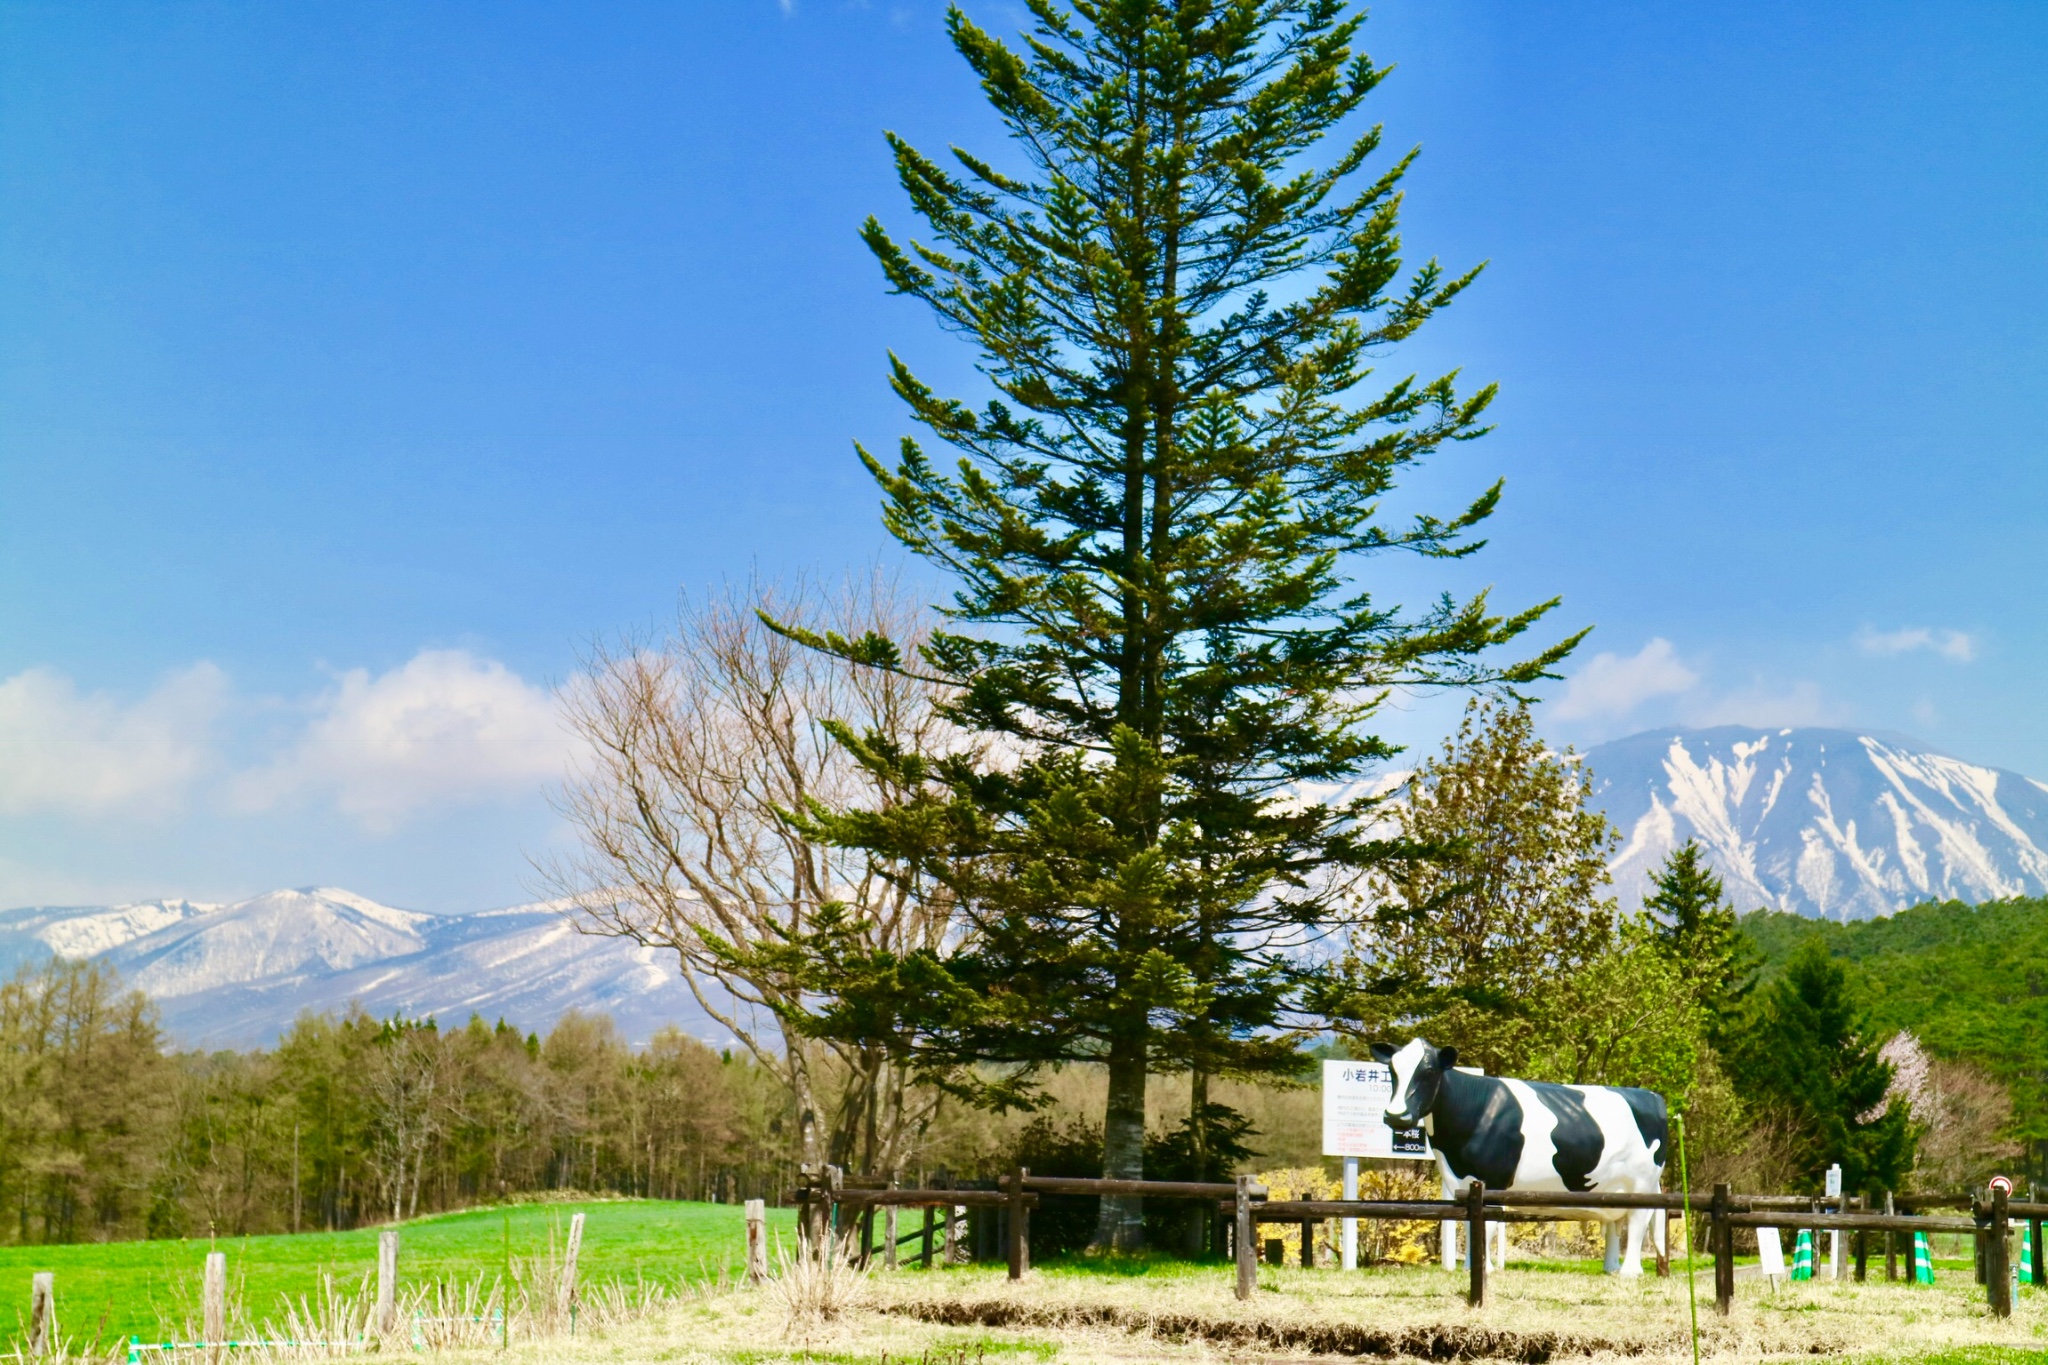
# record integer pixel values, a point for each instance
(42, 1311)
(387, 1281)
(757, 1241)
(569, 1261)
(214, 1299)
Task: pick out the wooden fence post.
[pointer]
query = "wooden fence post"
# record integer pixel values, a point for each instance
(42, 1311)
(757, 1240)
(835, 1181)
(1722, 1235)
(924, 1255)
(569, 1255)
(889, 1228)
(1247, 1244)
(1997, 1249)
(1477, 1253)
(387, 1281)
(956, 1248)
(213, 1299)
(1020, 1236)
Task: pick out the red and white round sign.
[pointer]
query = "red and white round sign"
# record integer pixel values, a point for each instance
(1999, 1182)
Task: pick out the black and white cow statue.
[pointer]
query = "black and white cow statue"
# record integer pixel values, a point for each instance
(1533, 1135)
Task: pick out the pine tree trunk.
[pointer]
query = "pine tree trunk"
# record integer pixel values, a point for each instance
(1200, 1212)
(1121, 1224)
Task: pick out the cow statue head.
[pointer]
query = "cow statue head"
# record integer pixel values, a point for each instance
(1418, 1076)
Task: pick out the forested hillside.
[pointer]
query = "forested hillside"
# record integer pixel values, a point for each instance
(1971, 982)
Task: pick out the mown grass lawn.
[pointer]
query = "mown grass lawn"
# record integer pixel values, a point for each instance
(117, 1289)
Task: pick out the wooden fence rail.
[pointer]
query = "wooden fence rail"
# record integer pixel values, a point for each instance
(1722, 1211)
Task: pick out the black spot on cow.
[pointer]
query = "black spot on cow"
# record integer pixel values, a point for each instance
(1478, 1129)
(1577, 1137)
(1648, 1108)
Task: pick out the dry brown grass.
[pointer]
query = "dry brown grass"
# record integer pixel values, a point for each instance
(1170, 1314)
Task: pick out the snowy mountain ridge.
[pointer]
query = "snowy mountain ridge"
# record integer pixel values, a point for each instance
(1829, 823)
(1823, 822)
(235, 975)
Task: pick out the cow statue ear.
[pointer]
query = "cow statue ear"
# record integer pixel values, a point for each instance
(1448, 1056)
(1381, 1052)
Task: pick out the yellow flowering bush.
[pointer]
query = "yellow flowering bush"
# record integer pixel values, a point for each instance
(1379, 1240)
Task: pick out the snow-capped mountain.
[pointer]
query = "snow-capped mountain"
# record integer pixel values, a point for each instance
(236, 975)
(1828, 823)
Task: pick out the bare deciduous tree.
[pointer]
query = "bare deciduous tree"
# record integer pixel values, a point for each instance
(699, 748)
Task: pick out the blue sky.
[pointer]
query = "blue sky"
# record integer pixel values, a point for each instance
(361, 361)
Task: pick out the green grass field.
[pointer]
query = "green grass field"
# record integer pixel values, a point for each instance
(117, 1289)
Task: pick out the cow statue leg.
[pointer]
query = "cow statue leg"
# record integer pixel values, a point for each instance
(1611, 1264)
(1632, 1255)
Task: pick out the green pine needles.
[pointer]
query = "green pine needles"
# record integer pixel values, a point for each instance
(1156, 525)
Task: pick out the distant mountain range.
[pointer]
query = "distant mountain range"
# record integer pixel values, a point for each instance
(236, 975)
(1825, 823)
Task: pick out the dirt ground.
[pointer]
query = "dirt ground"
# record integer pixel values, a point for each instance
(973, 1316)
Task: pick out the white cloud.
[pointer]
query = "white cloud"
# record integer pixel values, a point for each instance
(1949, 644)
(1614, 685)
(88, 753)
(444, 728)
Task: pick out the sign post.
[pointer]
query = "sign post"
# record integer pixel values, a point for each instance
(1355, 1099)
(1350, 1224)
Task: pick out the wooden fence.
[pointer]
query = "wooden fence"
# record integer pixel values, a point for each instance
(1989, 1221)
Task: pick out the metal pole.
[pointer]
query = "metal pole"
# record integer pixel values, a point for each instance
(1475, 1243)
(1997, 1253)
(1891, 1242)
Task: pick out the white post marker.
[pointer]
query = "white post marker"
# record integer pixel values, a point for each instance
(1835, 1234)
(1350, 1224)
(1355, 1099)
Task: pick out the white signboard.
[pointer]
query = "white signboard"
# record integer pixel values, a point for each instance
(1355, 1098)
(1770, 1254)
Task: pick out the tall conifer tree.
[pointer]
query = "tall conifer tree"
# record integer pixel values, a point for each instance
(1155, 526)
(1811, 1054)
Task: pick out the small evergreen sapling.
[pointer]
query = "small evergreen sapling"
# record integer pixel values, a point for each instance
(1698, 929)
